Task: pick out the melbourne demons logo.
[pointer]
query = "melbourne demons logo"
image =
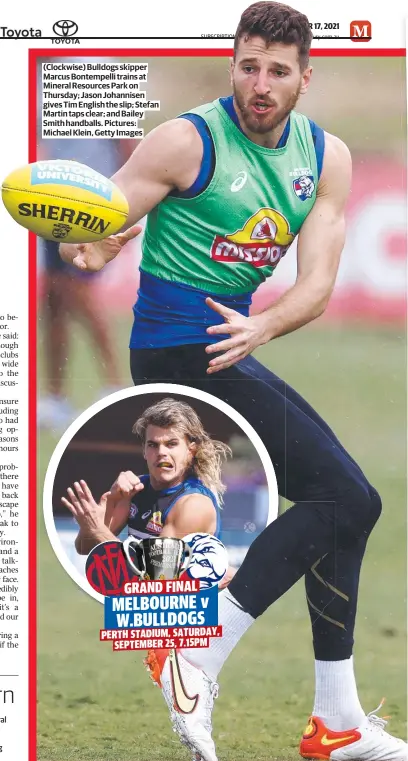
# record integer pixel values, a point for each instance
(262, 241)
(107, 569)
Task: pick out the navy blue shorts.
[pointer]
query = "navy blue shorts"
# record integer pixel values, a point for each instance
(310, 463)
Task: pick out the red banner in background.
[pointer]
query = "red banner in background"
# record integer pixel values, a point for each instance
(371, 283)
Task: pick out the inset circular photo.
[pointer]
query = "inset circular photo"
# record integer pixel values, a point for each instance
(160, 460)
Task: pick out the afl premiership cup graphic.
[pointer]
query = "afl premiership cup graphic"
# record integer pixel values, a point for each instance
(157, 559)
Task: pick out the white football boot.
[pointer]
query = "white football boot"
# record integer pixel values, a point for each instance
(189, 695)
(367, 742)
(375, 744)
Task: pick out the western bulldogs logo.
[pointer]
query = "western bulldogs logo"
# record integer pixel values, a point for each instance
(209, 560)
(133, 510)
(304, 187)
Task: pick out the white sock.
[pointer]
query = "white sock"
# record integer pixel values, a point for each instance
(336, 698)
(234, 622)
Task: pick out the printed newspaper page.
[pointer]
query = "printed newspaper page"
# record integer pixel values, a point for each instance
(203, 382)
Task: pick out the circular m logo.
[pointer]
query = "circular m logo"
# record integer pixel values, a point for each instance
(65, 28)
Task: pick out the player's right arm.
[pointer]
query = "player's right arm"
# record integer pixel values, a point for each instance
(119, 500)
(101, 521)
(168, 158)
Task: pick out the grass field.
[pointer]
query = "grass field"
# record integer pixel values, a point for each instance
(96, 705)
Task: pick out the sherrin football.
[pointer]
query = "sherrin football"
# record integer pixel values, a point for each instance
(64, 201)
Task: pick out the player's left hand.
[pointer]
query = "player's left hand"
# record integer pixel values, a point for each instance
(246, 334)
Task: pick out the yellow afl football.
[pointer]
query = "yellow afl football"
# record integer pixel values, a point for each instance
(64, 201)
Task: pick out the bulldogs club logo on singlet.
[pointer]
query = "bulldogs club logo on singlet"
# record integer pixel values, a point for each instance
(262, 241)
(304, 187)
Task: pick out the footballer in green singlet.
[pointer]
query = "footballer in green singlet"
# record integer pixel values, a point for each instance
(227, 187)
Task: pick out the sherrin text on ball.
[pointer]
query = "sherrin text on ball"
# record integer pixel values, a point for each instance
(64, 200)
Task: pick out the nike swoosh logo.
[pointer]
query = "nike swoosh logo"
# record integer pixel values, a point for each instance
(184, 703)
(325, 740)
(237, 605)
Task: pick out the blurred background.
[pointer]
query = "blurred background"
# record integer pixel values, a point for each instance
(350, 364)
(105, 446)
(362, 100)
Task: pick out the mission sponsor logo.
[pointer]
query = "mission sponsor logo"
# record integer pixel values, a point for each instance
(155, 524)
(261, 242)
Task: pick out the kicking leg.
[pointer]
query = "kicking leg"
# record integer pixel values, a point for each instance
(331, 593)
(335, 508)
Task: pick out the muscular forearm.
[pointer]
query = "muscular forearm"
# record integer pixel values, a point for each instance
(86, 541)
(301, 304)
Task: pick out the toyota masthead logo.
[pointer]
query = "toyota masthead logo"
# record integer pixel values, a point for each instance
(65, 28)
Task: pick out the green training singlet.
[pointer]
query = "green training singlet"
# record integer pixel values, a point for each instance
(230, 238)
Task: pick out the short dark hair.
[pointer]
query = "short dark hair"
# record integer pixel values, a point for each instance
(276, 22)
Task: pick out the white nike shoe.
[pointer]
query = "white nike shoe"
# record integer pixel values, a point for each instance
(375, 744)
(189, 695)
(367, 742)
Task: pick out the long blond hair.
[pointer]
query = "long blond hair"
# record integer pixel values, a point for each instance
(210, 454)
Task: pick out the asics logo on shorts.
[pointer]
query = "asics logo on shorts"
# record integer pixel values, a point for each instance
(239, 182)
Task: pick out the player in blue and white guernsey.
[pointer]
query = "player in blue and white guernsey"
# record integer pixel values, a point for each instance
(181, 493)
